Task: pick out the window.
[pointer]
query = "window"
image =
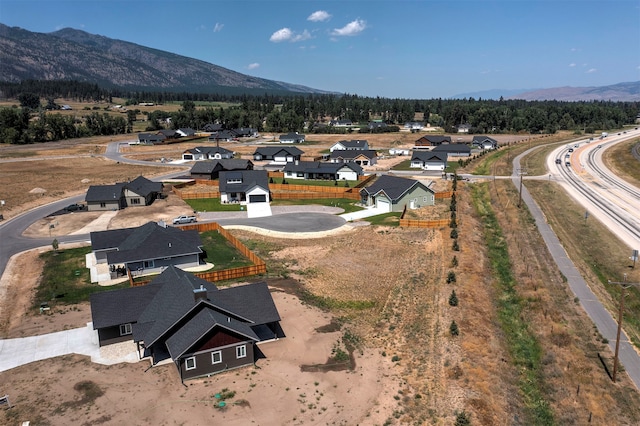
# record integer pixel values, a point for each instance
(426, 199)
(241, 351)
(190, 363)
(125, 329)
(216, 357)
(103, 204)
(149, 264)
(135, 201)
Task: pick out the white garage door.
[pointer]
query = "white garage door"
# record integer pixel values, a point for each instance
(383, 204)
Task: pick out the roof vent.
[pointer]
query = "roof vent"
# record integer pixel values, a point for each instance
(228, 319)
(169, 245)
(199, 294)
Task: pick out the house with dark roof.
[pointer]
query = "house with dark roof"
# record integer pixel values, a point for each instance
(202, 329)
(212, 127)
(464, 128)
(244, 186)
(374, 125)
(146, 249)
(322, 170)
(169, 133)
(185, 132)
(222, 135)
(345, 122)
(138, 192)
(361, 157)
(357, 144)
(150, 138)
(454, 150)
(199, 153)
(246, 132)
(278, 154)
(291, 138)
(210, 169)
(484, 142)
(391, 193)
(427, 141)
(429, 160)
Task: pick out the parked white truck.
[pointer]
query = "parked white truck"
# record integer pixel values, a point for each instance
(184, 219)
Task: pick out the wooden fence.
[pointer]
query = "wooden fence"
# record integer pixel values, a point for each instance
(258, 267)
(442, 195)
(418, 223)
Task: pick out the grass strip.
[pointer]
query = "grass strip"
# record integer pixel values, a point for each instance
(523, 346)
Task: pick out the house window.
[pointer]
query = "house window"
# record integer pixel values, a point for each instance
(234, 180)
(135, 201)
(425, 199)
(241, 351)
(216, 357)
(103, 204)
(148, 264)
(300, 174)
(190, 363)
(125, 329)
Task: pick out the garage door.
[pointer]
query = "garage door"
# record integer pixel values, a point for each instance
(258, 198)
(383, 204)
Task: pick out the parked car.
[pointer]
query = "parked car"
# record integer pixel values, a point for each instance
(74, 207)
(184, 219)
(570, 149)
(558, 161)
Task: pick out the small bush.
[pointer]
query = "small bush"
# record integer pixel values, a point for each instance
(455, 246)
(454, 262)
(454, 233)
(453, 329)
(395, 358)
(453, 299)
(451, 277)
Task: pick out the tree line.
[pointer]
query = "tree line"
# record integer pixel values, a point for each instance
(309, 113)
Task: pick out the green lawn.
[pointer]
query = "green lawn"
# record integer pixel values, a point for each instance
(452, 166)
(314, 182)
(345, 203)
(65, 279)
(386, 219)
(221, 253)
(212, 205)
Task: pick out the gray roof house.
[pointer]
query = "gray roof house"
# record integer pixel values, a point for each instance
(147, 249)
(454, 150)
(345, 145)
(322, 170)
(222, 135)
(151, 138)
(484, 142)
(206, 153)
(291, 138)
(210, 169)
(391, 193)
(139, 192)
(278, 154)
(432, 140)
(244, 186)
(186, 131)
(429, 160)
(361, 157)
(202, 329)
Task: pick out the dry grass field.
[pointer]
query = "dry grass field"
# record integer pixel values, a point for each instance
(383, 293)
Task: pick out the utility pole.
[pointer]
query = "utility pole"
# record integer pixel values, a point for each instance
(521, 172)
(625, 285)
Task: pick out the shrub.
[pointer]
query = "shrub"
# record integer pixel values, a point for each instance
(451, 277)
(463, 419)
(454, 262)
(455, 245)
(453, 299)
(453, 329)
(454, 233)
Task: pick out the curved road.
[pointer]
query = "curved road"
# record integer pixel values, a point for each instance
(603, 320)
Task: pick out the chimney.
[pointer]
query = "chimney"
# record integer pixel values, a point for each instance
(199, 294)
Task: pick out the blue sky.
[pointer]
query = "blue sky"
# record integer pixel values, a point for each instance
(389, 48)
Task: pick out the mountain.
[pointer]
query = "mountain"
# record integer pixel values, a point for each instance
(489, 94)
(616, 92)
(70, 54)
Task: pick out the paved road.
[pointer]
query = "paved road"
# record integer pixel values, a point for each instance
(603, 320)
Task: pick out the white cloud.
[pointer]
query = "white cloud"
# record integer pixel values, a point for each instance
(573, 64)
(319, 16)
(591, 70)
(352, 28)
(253, 66)
(218, 27)
(285, 34)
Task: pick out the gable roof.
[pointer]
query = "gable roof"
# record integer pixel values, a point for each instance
(291, 136)
(394, 187)
(320, 167)
(349, 154)
(143, 186)
(458, 148)
(433, 140)
(271, 151)
(249, 179)
(109, 308)
(210, 166)
(104, 193)
(478, 139)
(426, 156)
(353, 144)
(208, 150)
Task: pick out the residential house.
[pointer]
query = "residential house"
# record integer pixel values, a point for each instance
(322, 170)
(278, 154)
(186, 132)
(341, 123)
(169, 133)
(374, 125)
(291, 138)
(427, 141)
(399, 151)
(222, 136)
(244, 186)
(454, 150)
(414, 126)
(246, 132)
(212, 127)
(464, 128)
(207, 153)
(345, 145)
(484, 142)
(429, 160)
(361, 157)
(150, 138)
(391, 194)
(146, 249)
(210, 169)
(202, 329)
(138, 192)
